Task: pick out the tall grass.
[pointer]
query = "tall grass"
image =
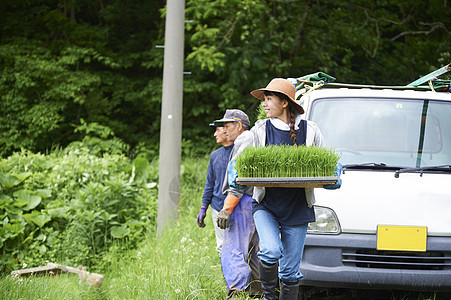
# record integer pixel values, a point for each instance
(48, 287)
(287, 161)
(182, 263)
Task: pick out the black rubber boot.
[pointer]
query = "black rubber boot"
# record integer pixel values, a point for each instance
(269, 279)
(289, 291)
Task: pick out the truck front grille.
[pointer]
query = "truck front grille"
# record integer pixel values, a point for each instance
(368, 258)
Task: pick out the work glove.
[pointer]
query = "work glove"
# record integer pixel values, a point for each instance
(232, 175)
(224, 215)
(337, 173)
(223, 219)
(201, 216)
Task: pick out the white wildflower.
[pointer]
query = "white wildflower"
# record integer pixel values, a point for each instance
(24, 265)
(183, 240)
(177, 291)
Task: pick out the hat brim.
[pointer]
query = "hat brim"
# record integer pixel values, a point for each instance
(260, 95)
(220, 122)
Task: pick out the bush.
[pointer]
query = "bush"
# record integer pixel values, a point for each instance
(70, 206)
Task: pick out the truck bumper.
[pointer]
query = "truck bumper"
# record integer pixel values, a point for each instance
(352, 261)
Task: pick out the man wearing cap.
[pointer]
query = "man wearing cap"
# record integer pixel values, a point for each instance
(239, 253)
(213, 195)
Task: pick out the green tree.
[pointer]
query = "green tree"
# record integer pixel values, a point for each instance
(235, 46)
(70, 60)
(62, 61)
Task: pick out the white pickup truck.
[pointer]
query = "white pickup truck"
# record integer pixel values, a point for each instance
(389, 225)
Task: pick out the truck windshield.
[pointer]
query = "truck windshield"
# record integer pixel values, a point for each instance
(396, 132)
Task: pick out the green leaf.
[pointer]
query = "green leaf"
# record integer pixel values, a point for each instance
(5, 199)
(37, 218)
(42, 249)
(11, 210)
(23, 176)
(60, 212)
(31, 199)
(120, 232)
(20, 203)
(44, 193)
(9, 181)
(140, 168)
(14, 228)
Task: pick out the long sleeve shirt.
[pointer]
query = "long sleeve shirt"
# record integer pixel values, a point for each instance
(217, 167)
(257, 137)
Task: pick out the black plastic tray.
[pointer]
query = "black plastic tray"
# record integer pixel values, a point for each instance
(293, 182)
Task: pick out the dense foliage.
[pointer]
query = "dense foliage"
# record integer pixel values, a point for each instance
(73, 206)
(67, 62)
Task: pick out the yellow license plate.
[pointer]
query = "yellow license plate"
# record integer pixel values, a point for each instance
(401, 238)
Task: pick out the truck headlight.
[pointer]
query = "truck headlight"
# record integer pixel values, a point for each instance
(326, 222)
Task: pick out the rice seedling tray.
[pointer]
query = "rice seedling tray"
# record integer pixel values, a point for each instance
(289, 182)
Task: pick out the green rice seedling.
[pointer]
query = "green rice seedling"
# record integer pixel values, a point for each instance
(287, 161)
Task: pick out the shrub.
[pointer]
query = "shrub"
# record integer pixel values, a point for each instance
(70, 206)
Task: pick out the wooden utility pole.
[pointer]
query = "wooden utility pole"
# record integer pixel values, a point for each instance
(171, 115)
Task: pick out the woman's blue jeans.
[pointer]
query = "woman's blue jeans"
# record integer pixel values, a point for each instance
(281, 243)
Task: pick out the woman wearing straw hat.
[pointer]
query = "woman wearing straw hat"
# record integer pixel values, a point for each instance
(281, 215)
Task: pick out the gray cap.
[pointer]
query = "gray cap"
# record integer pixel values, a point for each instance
(233, 115)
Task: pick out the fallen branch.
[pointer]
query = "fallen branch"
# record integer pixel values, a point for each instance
(92, 279)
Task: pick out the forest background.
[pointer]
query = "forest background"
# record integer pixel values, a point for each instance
(75, 67)
(80, 100)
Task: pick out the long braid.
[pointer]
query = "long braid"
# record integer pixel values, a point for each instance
(292, 121)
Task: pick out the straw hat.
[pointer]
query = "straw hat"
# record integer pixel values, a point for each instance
(280, 85)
